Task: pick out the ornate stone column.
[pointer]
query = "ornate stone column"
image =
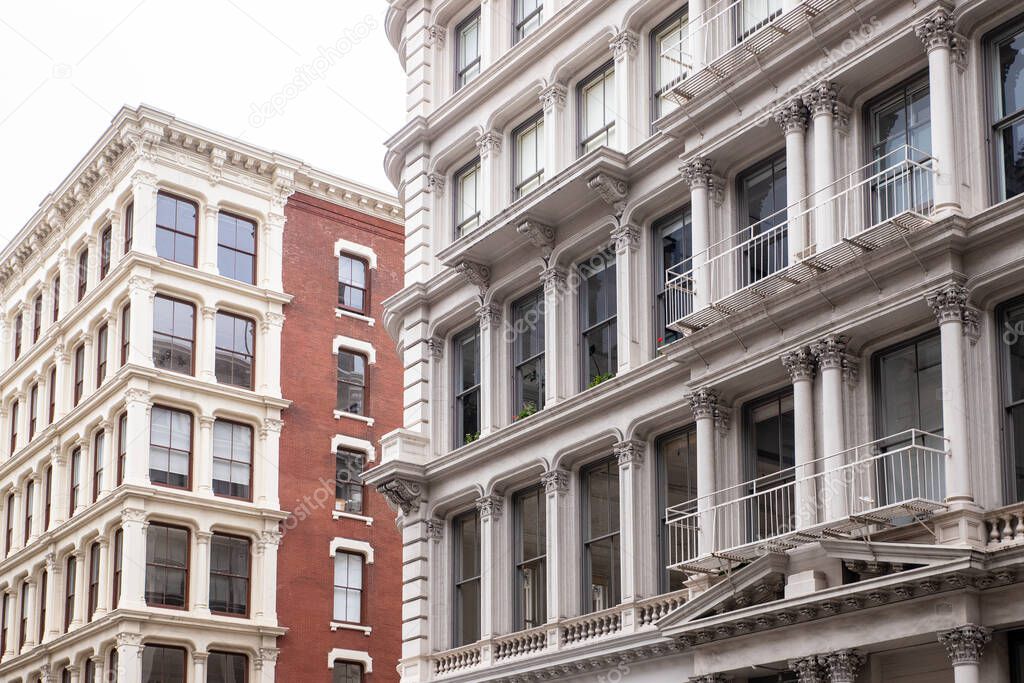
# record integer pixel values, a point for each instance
(808, 670)
(266, 557)
(697, 172)
(54, 588)
(266, 665)
(491, 368)
(12, 623)
(964, 645)
(708, 414)
(205, 345)
(833, 362)
(201, 599)
(140, 338)
(556, 131)
(801, 365)
(843, 665)
(32, 614)
(203, 459)
(630, 455)
(949, 304)
(129, 656)
(492, 195)
(143, 214)
(557, 363)
(266, 478)
(940, 39)
(627, 84)
(207, 246)
(823, 102)
(630, 291)
(199, 665)
(559, 579)
(270, 379)
(138, 404)
(793, 117)
(490, 508)
(78, 617)
(98, 666)
(133, 553)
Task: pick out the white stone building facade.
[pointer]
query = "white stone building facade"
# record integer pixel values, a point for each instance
(710, 331)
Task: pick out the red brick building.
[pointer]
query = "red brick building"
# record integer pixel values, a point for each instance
(339, 570)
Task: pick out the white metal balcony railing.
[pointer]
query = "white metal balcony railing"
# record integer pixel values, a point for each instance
(867, 209)
(895, 479)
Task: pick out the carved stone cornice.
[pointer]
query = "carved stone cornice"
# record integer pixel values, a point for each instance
(630, 452)
(555, 481)
(626, 238)
(808, 670)
(792, 116)
(128, 639)
(964, 644)
(539, 235)
(822, 98)
(831, 351)
(624, 44)
(477, 274)
(612, 191)
(403, 494)
(949, 303)
(553, 96)
(801, 364)
(843, 665)
(490, 507)
(697, 172)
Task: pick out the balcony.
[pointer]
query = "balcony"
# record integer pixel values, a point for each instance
(868, 210)
(890, 482)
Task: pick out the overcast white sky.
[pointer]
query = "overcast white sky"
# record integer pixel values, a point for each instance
(66, 67)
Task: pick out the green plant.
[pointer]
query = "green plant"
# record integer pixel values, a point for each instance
(597, 379)
(470, 438)
(528, 409)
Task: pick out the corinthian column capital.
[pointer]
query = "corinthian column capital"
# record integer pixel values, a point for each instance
(964, 644)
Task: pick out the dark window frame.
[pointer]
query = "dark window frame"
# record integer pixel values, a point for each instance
(462, 70)
(174, 338)
(521, 25)
(364, 290)
(19, 322)
(459, 581)
(224, 653)
(231, 461)
(83, 273)
(175, 232)
(15, 419)
(519, 309)
(52, 395)
(234, 353)
(462, 395)
(657, 91)
(55, 295)
(461, 228)
(235, 250)
(70, 578)
(998, 120)
(345, 489)
(364, 386)
(37, 317)
(522, 186)
(99, 444)
(661, 499)
(231, 576)
(118, 569)
(611, 463)
(185, 569)
(521, 563)
(106, 249)
(126, 332)
(79, 374)
(74, 479)
(93, 588)
(168, 448)
(129, 226)
(122, 446)
(684, 214)
(167, 650)
(587, 327)
(601, 73)
(347, 589)
(102, 341)
(33, 410)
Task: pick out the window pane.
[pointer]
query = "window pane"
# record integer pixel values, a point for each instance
(224, 667)
(163, 664)
(1011, 74)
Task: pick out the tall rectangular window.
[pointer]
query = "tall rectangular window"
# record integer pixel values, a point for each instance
(94, 581)
(670, 61)
(467, 49)
(176, 227)
(347, 672)
(98, 454)
(596, 95)
(677, 484)
(79, 374)
(18, 323)
(33, 410)
(769, 431)
(15, 419)
(166, 566)
(352, 284)
(23, 617)
(83, 273)
(227, 667)
(55, 297)
(47, 497)
(69, 591)
(602, 575)
(30, 506)
(126, 332)
(170, 447)
(236, 247)
(467, 385)
(348, 587)
(163, 664)
(232, 460)
(9, 530)
(900, 130)
(530, 556)
(351, 382)
(909, 385)
(529, 155)
(105, 246)
(174, 334)
(528, 16)
(44, 581)
(118, 562)
(598, 320)
(528, 353)
(75, 480)
(466, 544)
(37, 317)
(51, 390)
(467, 198)
(5, 605)
(122, 446)
(348, 480)
(1010, 316)
(753, 14)
(229, 575)
(762, 232)
(101, 355)
(129, 226)
(235, 351)
(673, 249)
(1006, 59)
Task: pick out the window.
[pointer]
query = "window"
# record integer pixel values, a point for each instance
(30, 504)
(174, 334)
(347, 672)
(122, 446)
(75, 477)
(1006, 56)
(900, 129)
(530, 548)
(352, 284)
(753, 14)
(598, 326)
(596, 102)
(79, 373)
(348, 587)
(529, 155)
(467, 198)
(762, 235)
(670, 61)
(5, 605)
(69, 591)
(166, 566)
(176, 229)
(15, 419)
(83, 273)
(37, 317)
(351, 382)
(129, 226)
(770, 458)
(33, 410)
(467, 49)
(55, 295)
(232, 459)
(466, 544)
(113, 659)
(23, 625)
(527, 17)
(170, 447)
(18, 321)
(528, 353)
(9, 531)
(467, 385)
(348, 481)
(126, 332)
(47, 496)
(673, 249)
(677, 484)
(115, 593)
(1010, 317)
(236, 248)
(98, 453)
(229, 575)
(90, 671)
(44, 580)
(105, 240)
(94, 581)
(52, 391)
(162, 664)
(227, 667)
(235, 350)
(602, 576)
(101, 355)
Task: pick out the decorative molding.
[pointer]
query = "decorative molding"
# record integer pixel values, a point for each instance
(937, 30)
(403, 494)
(611, 190)
(555, 481)
(435, 345)
(477, 274)
(539, 235)
(488, 143)
(808, 670)
(554, 278)
(949, 303)
(822, 98)
(831, 351)
(624, 44)
(706, 403)
(435, 184)
(626, 238)
(697, 172)
(964, 644)
(490, 507)
(489, 315)
(630, 452)
(434, 35)
(843, 665)
(792, 116)
(434, 528)
(553, 96)
(800, 363)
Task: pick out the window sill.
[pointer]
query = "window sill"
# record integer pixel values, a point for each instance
(335, 625)
(338, 414)
(343, 313)
(338, 514)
